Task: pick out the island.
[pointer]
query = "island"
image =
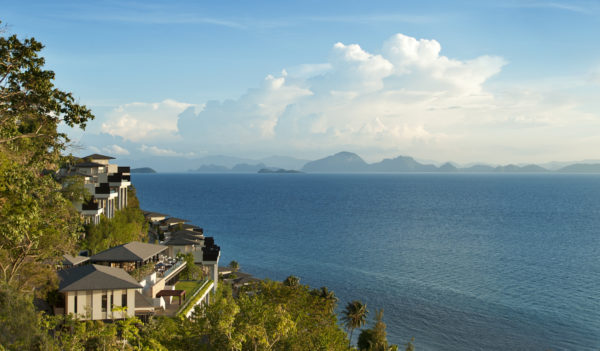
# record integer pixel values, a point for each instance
(278, 170)
(143, 170)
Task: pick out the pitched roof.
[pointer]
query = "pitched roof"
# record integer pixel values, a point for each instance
(130, 252)
(142, 301)
(182, 241)
(149, 214)
(174, 220)
(99, 157)
(95, 277)
(185, 237)
(74, 260)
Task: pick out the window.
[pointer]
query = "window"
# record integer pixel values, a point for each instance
(75, 305)
(124, 300)
(104, 303)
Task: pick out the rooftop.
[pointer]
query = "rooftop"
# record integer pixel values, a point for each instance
(130, 252)
(74, 260)
(174, 220)
(99, 157)
(95, 277)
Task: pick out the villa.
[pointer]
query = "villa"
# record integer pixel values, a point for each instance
(93, 291)
(106, 183)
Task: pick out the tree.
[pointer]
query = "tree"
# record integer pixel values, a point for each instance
(328, 296)
(234, 265)
(274, 317)
(127, 225)
(354, 316)
(375, 339)
(291, 281)
(191, 271)
(38, 223)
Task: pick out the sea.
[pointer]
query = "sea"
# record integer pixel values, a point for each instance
(456, 261)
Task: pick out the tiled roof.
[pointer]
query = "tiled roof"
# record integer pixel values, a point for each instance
(74, 260)
(99, 157)
(95, 277)
(130, 252)
(174, 220)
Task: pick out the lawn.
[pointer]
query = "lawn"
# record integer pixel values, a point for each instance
(189, 286)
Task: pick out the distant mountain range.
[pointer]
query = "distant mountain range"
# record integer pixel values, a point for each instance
(347, 162)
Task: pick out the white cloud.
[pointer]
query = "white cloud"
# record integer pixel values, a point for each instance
(157, 151)
(115, 150)
(407, 99)
(140, 121)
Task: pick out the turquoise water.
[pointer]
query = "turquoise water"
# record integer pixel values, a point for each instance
(477, 262)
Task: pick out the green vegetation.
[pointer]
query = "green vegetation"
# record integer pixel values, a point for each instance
(127, 225)
(354, 316)
(273, 317)
(194, 295)
(190, 286)
(143, 271)
(234, 265)
(375, 339)
(38, 222)
(191, 270)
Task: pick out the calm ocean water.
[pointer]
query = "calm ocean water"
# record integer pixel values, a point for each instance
(459, 262)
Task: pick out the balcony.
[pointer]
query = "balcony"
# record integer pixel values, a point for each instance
(119, 179)
(103, 189)
(92, 206)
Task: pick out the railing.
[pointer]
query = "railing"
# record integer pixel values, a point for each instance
(192, 301)
(172, 269)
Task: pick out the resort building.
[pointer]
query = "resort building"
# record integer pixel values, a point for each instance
(106, 183)
(92, 292)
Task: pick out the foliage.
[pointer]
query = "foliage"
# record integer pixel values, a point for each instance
(38, 223)
(354, 316)
(375, 339)
(194, 296)
(291, 281)
(143, 271)
(328, 296)
(127, 225)
(20, 323)
(191, 270)
(234, 265)
(274, 317)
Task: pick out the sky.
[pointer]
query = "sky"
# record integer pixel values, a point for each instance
(464, 81)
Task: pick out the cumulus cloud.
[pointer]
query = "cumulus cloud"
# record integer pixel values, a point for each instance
(140, 121)
(157, 151)
(392, 100)
(408, 98)
(115, 150)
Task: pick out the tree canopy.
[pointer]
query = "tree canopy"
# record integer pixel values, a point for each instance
(38, 222)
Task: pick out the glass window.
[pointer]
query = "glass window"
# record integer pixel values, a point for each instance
(124, 299)
(104, 303)
(75, 304)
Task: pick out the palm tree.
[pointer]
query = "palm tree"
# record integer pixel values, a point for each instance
(354, 316)
(328, 296)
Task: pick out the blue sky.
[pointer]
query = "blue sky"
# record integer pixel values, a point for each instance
(495, 81)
